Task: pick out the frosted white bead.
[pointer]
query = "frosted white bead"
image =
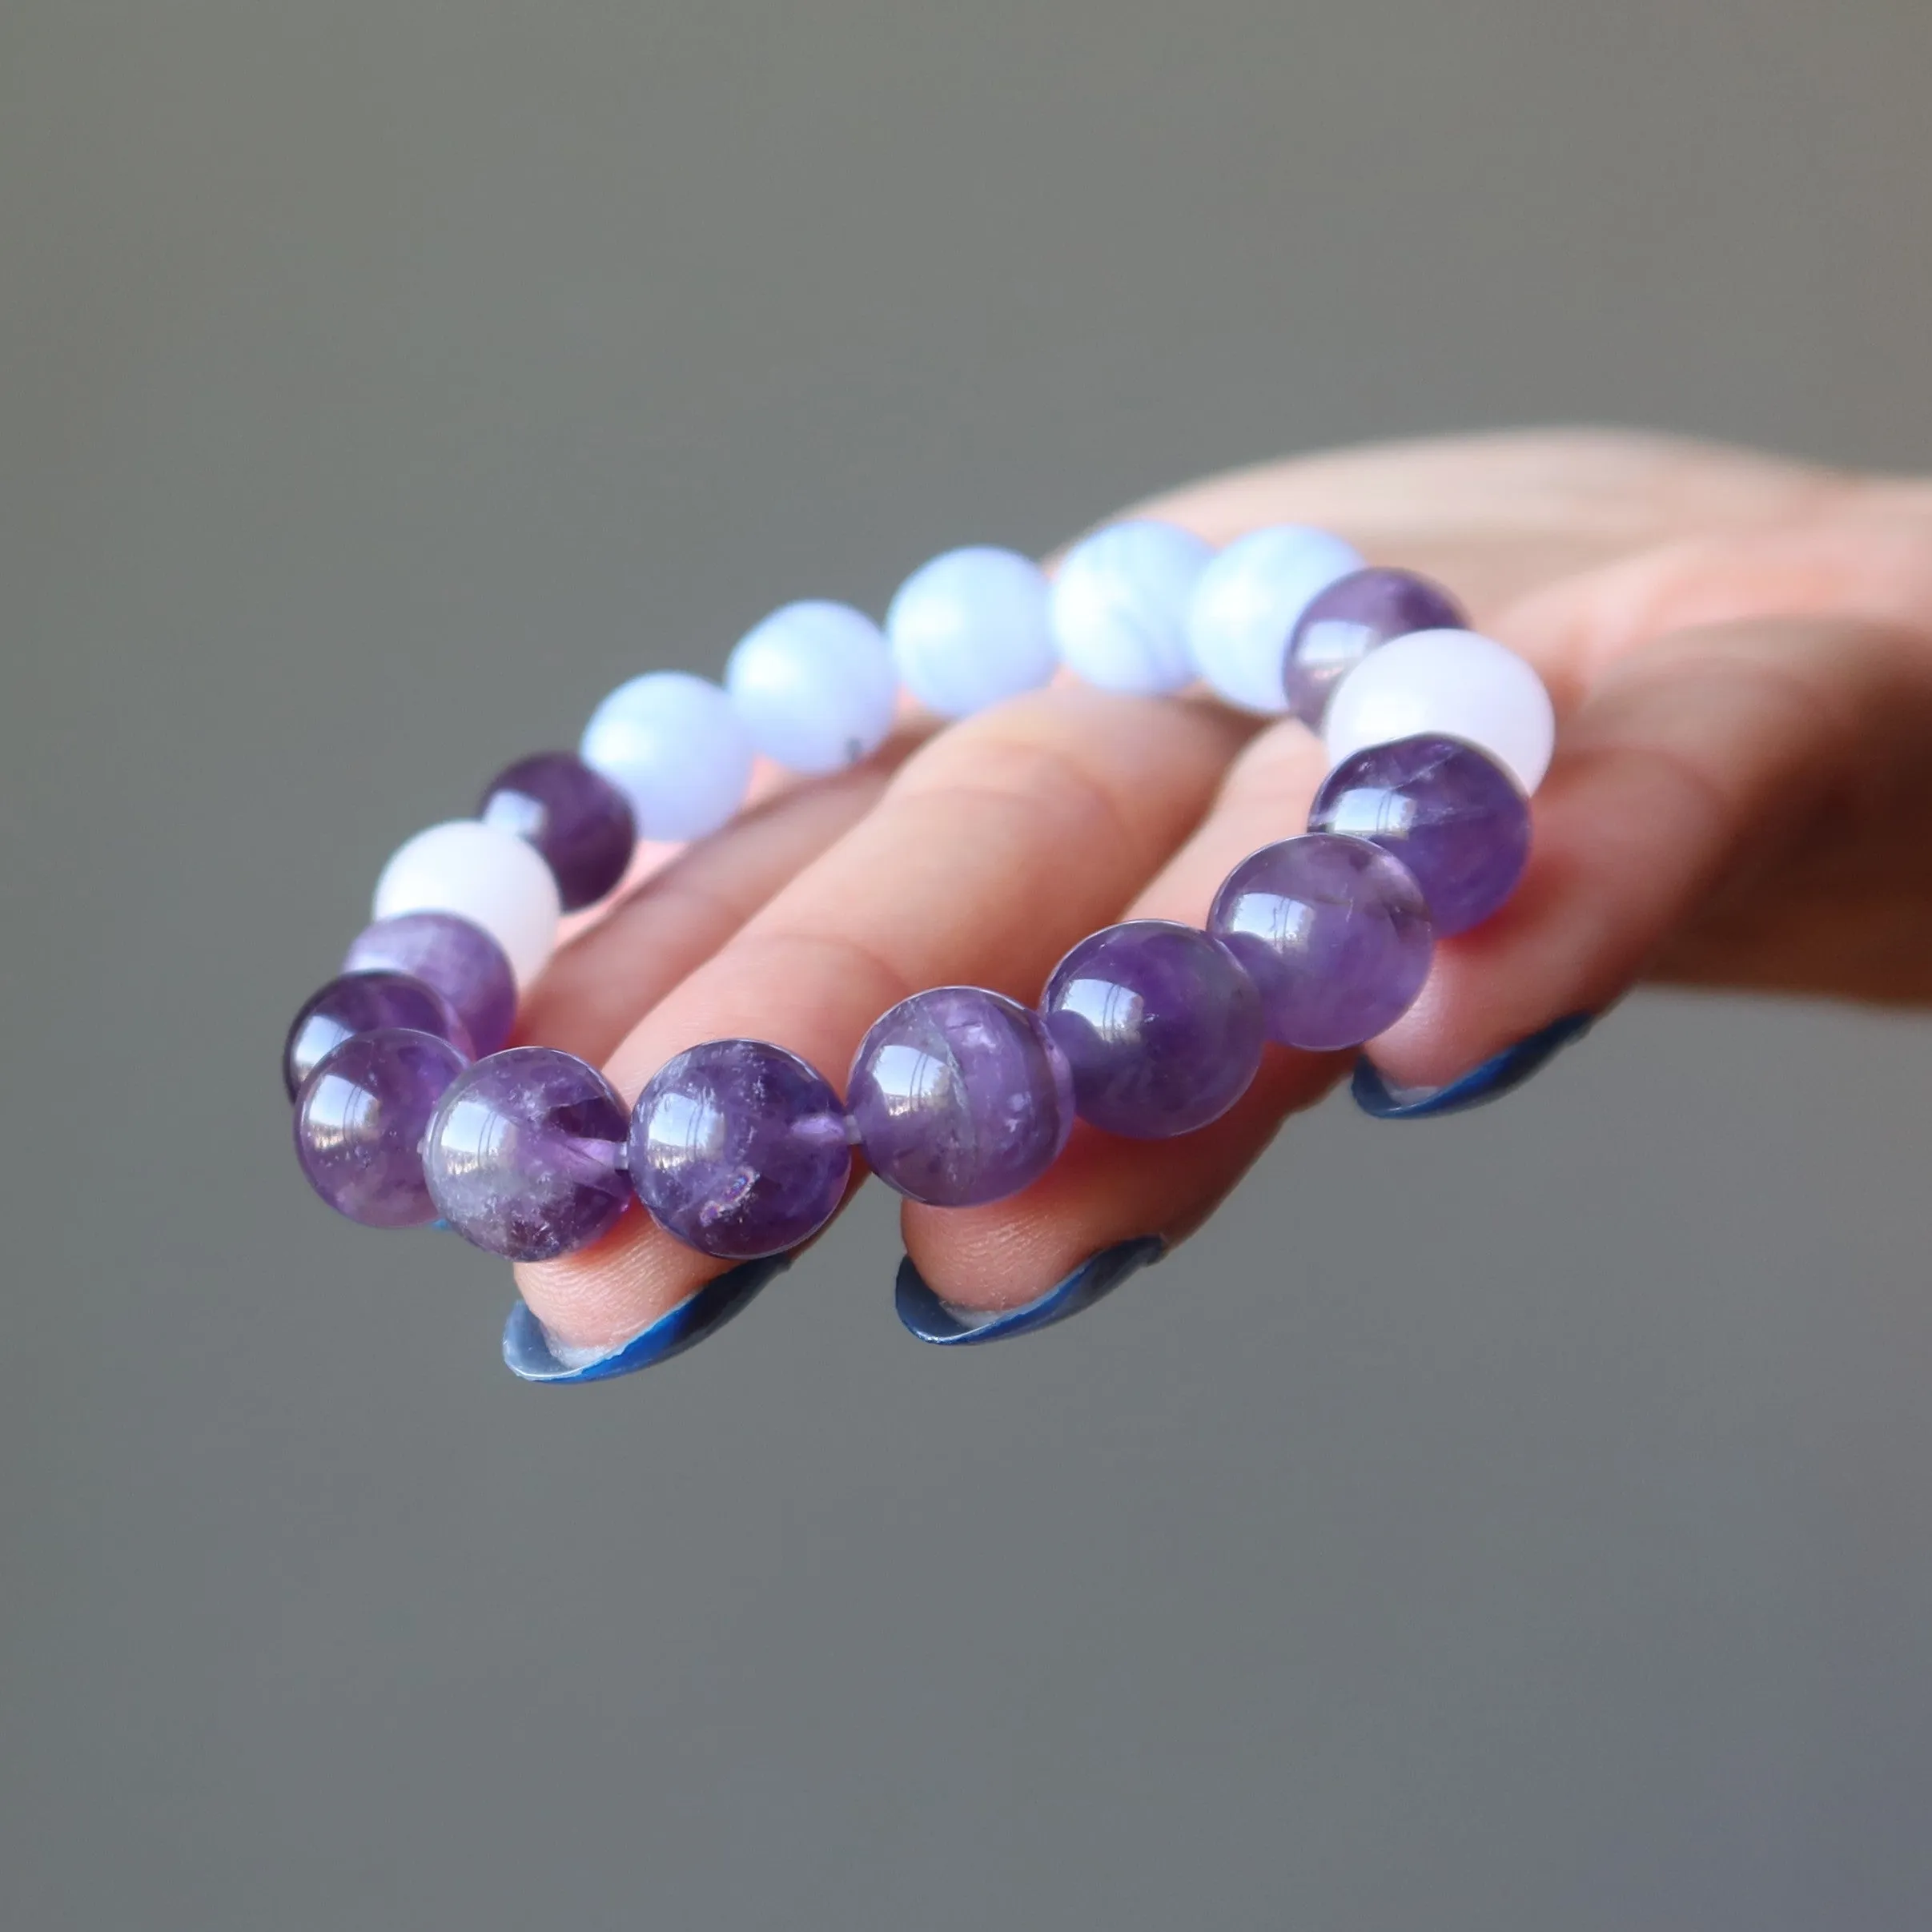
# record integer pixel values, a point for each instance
(485, 874)
(1457, 683)
(1247, 601)
(1119, 605)
(971, 629)
(815, 685)
(676, 747)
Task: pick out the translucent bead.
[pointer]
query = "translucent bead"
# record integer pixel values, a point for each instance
(1445, 684)
(525, 1155)
(1119, 605)
(971, 629)
(1356, 614)
(676, 747)
(1160, 1024)
(1249, 600)
(362, 1002)
(959, 1096)
(482, 873)
(461, 960)
(359, 1121)
(580, 821)
(815, 685)
(738, 1148)
(1335, 934)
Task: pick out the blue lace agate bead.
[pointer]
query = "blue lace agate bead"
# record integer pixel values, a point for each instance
(1120, 605)
(971, 628)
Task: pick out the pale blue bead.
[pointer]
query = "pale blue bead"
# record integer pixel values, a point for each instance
(674, 745)
(815, 685)
(971, 628)
(1247, 602)
(1119, 605)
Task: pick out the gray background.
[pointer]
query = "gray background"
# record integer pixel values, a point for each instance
(1520, 1523)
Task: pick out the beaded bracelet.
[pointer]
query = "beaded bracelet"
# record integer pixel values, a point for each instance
(408, 1110)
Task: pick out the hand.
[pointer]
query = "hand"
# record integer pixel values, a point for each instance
(1741, 796)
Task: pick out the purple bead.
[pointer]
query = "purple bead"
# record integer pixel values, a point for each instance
(738, 1148)
(1343, 623)
(1160, 1024)
(461, 960)
(525, 1156)
(361, 1002)
(580, 822)
(359, 1120)
(1333, 931)
(959, 1096)
(1456, 819)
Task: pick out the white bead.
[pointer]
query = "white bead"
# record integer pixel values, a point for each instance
(1247, 601)
(483, 874)
(676, 747)
(1119, 605)
(815, 685)
(1456, 684)
(971, 629)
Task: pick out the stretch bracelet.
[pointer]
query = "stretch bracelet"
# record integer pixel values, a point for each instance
(410, 1110)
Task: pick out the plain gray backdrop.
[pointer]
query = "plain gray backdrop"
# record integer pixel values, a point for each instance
(1518, 1522)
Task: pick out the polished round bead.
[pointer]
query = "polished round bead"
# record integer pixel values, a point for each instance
(575, 817)
(1248, 601)
(1160, 1025)
(739, 1149)
(959, 1096)
(1334, 932)
(1119, 605)
(1453, 815)
(524, 1156)
(1451, 684)
(815, 685)
(482, 873)
(360, 1122)
(361, 1002)
(460, 961)
(1356, 614)
(676, 747)
(971, 629)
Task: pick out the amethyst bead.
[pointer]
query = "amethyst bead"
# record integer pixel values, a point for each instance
(1160, 1025)
(1456, 818)
(460, 961)
(1343, 623)
(959, 1096)
(739, 1149)
(524, 1157)
(1335, 934)
(361, 1002)
(359, 1120)
(575, 817)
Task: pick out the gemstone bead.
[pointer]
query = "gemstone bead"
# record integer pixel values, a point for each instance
(482, 873)
(575, 817)
(1334, 932)
(359, 1121)
(739, 1149)
(1119, 605)
(524, 1156)
(815, 685)
(971, 628)
(1454, 816)
(1446, 684)
(1248, 601)
(459, 960)
(676, 747)
(1160, 1025)
(959, 1096)
(361, 1002)
(1356, 614)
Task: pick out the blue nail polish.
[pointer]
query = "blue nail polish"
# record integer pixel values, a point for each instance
(933, 1320)
(526, 1352)
(1502, 1074)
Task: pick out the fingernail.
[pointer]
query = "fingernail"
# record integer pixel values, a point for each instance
(1496, 1077)
(529, 1354)
(934, 1321)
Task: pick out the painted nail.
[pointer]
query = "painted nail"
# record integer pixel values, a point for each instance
(1502, 1074)
(934, 1321)
(529, 1354)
